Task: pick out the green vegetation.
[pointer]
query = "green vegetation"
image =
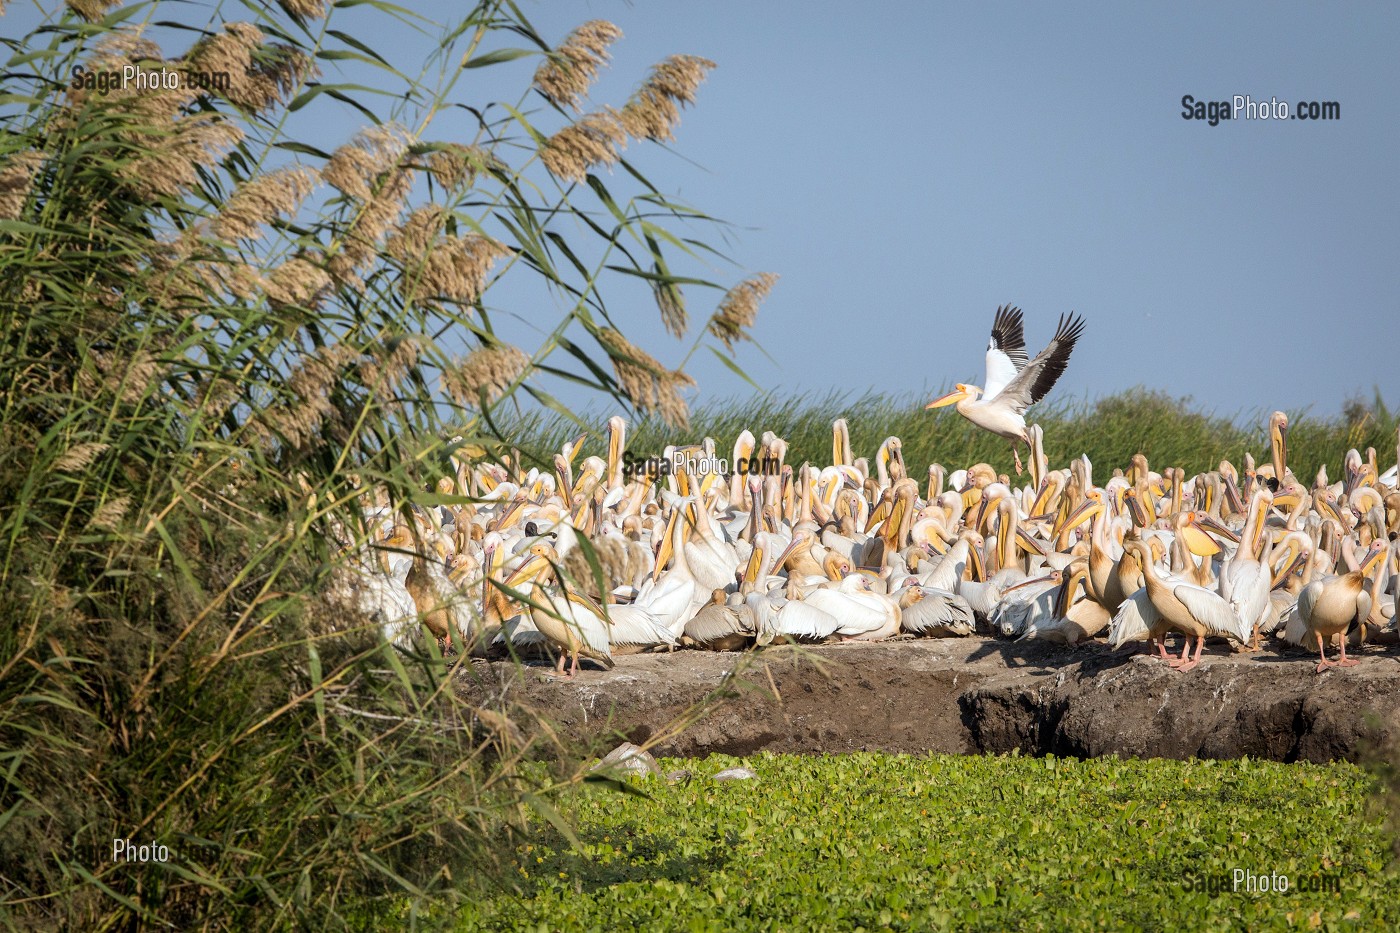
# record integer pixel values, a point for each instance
(218, 340)
(1170, 431)
(890, 841)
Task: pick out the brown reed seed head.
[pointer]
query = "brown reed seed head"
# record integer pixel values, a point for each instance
(311, 383)
(671, 302)
(16, 180)
(653, 112)
(259, 200)
(489, 370)
(260, 75)
(79, 457)
(91, 10)
(644, 381)
(570, 70)
(457, 165)
(110, 513)
(435, 267)
(739, 308)
(359, 244)
(298, 281)
(306, 9)
(355, 167)
(590, 141)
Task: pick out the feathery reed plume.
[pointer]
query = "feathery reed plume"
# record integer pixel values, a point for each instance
(448, 267)
(257, 201)
(298, 281)
(306, 9)
(110, 513)
(739, 308)
(15, 181)
(568, 72)
(172, 163)
(166, 147)
(457, 165)
(259, 76)
(91, 10)
(356, 166)
(311, 382)
(389, 363)
(130, 378)
(489, 370)
(591, 140)
(79, 457)
(359, 245)
(646, 383)
(654, 111)
(670, 301)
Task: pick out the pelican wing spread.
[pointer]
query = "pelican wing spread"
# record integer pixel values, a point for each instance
(1036, 378)
(1006, 351)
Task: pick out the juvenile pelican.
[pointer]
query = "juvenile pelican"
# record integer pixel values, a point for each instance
(1013, 383)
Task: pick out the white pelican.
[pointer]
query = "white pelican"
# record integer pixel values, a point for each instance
(1244, 579)
(1184, 607)
(571, 622)
(864, 615)
(721, 625)
(1332, 606)
(1012, 383)
(1025, 603)
(934, 613)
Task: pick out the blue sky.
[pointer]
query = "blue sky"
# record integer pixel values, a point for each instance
(906, 167)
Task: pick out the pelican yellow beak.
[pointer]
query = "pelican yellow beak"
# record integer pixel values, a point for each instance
(1214, 527)
(1086, 510)
(975, 565)
(1289, 568)
(952, 398)
(1198, 542)
(755, 563)
(1373, 557)
(1278, 446)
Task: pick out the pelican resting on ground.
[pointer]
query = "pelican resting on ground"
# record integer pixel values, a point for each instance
(1191, 610)
(1332, 606)
(1014, 383)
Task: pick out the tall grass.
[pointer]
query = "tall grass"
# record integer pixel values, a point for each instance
(218, 337)
(1169, 431)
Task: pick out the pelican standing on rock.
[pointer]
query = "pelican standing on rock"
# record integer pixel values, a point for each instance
(1013, 382)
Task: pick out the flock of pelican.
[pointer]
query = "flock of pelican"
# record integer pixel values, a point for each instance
(602, 560)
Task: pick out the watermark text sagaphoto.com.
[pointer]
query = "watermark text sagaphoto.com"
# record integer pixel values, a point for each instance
(1245, 107)
(1246, 881)
(131, 77)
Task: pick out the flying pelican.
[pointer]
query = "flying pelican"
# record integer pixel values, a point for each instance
(1013, 383)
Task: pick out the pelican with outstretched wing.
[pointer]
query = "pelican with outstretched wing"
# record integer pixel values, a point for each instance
(1014, 381)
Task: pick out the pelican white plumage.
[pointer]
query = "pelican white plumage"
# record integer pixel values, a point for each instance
(1332, 606)
(934, 613)
(864, 615)
(1244, 579)
(572, 623)
(1013, 382)
(671, 595)
(1192, 610)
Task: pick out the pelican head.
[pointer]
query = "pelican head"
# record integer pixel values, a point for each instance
(960, 392)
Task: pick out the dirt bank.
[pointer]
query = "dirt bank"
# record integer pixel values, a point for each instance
(974, 695)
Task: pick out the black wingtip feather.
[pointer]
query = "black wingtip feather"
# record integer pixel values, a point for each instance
(1009, 334)
(1067, 333)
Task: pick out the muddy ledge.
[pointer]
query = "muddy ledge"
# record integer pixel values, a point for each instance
(972, 695)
